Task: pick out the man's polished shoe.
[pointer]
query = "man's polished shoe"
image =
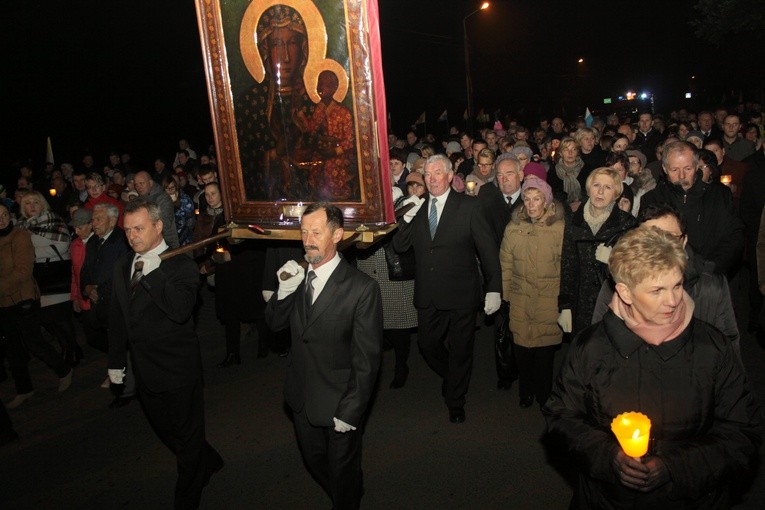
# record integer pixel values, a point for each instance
(457, 415)
(526, 401)
(120, 402)
(230, 359)
(505, 384)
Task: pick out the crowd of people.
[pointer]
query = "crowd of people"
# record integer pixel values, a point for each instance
(537, 227)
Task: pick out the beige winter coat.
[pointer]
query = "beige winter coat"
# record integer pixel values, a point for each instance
(530, 256)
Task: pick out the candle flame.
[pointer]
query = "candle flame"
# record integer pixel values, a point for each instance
(636, 434)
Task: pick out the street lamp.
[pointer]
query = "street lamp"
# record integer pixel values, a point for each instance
(468, 78)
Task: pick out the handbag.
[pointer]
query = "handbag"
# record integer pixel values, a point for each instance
(53, 276)
(401, 266)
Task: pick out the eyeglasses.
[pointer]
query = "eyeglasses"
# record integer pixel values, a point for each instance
(485, 165)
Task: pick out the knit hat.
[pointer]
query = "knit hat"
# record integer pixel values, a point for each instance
(80, 217)
(532, 181)
(534, 169)
(526, 151)
(453, 147)
(639, 155)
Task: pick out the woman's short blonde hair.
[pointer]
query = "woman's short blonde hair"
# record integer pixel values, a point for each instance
(566, 142)
(34, 195)
(613, 173)
(644, 252)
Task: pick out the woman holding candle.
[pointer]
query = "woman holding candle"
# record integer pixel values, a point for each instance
(483, 172)
(650, 355)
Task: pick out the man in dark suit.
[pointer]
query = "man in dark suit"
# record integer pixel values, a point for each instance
(335, 317)
(107, 244)
(498, 202)
(151, 316)
(447, 235)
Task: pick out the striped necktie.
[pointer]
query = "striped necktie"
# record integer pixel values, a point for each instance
(433, 218)
(137, 275)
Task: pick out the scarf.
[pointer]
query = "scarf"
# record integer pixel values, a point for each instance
(48, 225)
(475, 175)
(214, 211)
(652, 333)
(7, 230)
(569, 177)
(596, 220)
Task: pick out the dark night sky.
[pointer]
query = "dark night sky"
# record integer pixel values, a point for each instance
(128, 74)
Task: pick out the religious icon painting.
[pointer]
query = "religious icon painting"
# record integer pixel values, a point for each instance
(297, 101)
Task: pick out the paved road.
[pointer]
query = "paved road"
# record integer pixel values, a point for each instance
(75, 453)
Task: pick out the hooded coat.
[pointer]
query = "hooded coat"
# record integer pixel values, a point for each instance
(530, 257)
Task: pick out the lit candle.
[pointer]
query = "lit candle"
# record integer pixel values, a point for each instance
(726, 179)
(196, 211)
(52, 192)
(632, 430)
(470, 187)
(220, 249)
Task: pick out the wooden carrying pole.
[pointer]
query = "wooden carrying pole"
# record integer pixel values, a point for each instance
(195, 245)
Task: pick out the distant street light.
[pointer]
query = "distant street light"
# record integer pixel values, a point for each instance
(581, 60)
(468, 78)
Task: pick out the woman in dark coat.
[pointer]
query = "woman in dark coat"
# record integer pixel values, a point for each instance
(587, 238)
(651, 355)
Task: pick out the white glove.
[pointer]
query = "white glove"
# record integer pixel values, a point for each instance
(397, 193)
(288, 286)
(411, 213)
(492, 302)
(116, 375)
(565, 321)
(341, 426)
(602, 252)
(267, 295)
(150, 262)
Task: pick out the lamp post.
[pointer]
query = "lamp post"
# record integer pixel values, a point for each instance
(468, 77)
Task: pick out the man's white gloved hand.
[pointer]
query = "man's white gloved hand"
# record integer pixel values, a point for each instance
(397, 193)
(267, 295)
(602, 252)
(288, 286)
(492, 302)
(411, 213)
(341, 426)
(116, 375)
(565, 321)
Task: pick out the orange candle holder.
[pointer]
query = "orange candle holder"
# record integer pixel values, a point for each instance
(52, 192)
(726, 179)
(632, 430)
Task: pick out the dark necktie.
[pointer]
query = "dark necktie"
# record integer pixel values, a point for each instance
(433, 218)
(309, 289)
(137, 275)
(509, 200)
